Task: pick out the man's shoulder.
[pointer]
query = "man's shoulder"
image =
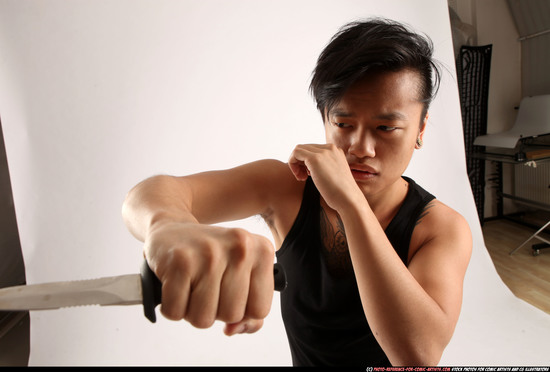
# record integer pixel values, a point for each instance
(439, 215)
(442, 225)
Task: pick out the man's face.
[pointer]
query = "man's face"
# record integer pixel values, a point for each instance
(376, 124)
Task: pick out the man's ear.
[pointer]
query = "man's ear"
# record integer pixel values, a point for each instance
(420, 138)
(423, 126)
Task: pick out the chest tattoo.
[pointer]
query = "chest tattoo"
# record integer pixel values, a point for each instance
(335, 245)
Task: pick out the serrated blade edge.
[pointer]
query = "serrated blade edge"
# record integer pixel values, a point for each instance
(113, 290)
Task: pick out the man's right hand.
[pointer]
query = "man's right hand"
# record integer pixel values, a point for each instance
(211, 273)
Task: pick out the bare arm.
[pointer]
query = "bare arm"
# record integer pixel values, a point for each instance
(208, 272)
(205, 198)
(412, 310)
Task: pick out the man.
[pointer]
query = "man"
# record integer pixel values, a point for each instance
(375, 264)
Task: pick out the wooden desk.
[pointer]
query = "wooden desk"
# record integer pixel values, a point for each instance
(538, 156)
(509, 158)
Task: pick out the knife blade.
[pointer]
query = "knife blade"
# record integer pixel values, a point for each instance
(131, 289)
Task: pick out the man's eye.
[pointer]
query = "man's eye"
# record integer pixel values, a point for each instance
(341, 125)
(385, 128)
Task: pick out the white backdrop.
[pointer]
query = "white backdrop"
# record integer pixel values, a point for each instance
(97, 95)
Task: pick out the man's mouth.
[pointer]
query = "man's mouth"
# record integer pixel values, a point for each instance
(362, 172)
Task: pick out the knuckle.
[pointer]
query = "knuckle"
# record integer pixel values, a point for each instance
(241, 242)
(178, 257)
(265, 248)
(240, 237)
(177, 264)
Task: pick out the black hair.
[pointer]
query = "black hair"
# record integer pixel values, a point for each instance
(371, 46)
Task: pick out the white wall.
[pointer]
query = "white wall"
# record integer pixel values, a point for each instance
(97, 95)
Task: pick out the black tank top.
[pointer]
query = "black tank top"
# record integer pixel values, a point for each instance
(322, 312)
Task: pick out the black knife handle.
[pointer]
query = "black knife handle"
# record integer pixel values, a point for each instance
(152, 288)
(279, 277)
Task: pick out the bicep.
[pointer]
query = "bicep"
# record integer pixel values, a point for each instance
(237, 193)
(440, 264)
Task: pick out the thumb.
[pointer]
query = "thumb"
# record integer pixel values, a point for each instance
(244, 326)
(299, 169)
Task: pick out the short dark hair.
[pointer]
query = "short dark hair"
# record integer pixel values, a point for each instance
(374, 45)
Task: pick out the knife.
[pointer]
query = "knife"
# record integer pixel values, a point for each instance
(132, 289)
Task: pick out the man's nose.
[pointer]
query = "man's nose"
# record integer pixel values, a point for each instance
(363, 146)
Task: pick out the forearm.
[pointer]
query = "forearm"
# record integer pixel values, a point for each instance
(409, 325)
(156, 199)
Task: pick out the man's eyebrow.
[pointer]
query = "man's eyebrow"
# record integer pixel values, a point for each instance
(341, 113)
(387, 116)
(390, 116)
